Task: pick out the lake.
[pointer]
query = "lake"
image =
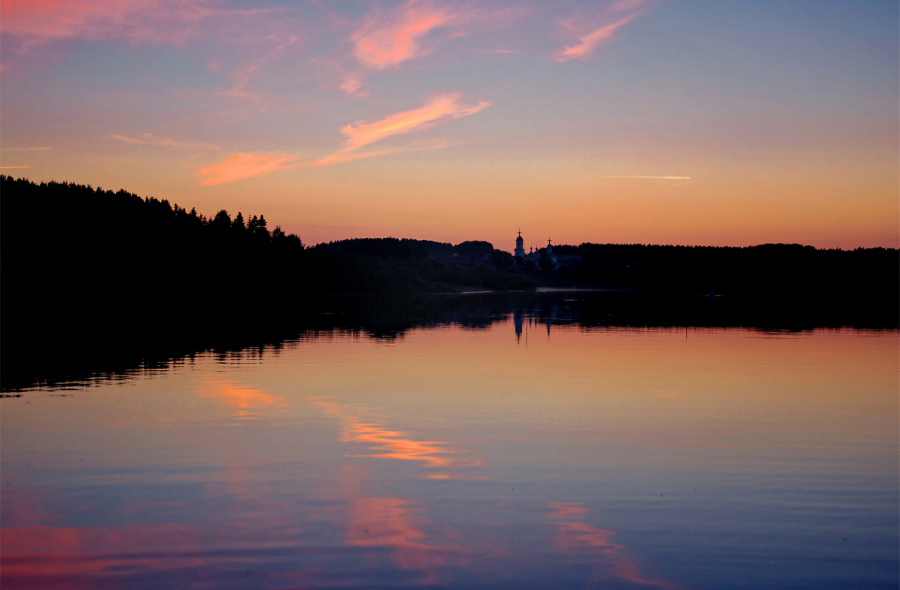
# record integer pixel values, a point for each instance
(517, 449)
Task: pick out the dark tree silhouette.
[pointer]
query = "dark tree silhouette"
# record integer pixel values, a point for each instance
(91, 271)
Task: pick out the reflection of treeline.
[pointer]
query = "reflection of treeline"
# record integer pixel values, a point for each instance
(84, 267)
(391, 317)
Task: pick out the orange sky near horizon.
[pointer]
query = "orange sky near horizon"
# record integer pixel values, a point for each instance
(730, 123)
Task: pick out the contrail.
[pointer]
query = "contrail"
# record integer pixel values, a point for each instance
(652, 177)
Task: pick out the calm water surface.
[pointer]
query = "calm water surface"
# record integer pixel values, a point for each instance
(460, 458)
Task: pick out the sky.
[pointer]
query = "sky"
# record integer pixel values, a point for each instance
(695, 122)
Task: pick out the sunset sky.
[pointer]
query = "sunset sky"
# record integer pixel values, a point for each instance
(705, 122)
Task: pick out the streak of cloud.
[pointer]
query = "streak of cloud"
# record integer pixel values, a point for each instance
(167, 22)
(651, 177)
(384, 42)
(10, 167)
(243, 165)
(340, 157)
(43, 20)
(588, 42)
(440, 109)
(243, 77)
(153, 140)
(28, 149)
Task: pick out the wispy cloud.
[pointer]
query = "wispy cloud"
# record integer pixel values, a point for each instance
(340, 157)
(387, 41)
(589, 40)
(243, 76)
(651, 177)
(153, 140)
(42, 20)
(440, 109)
(19, 150)
(352, 85)
(167, 22)
(243, 165)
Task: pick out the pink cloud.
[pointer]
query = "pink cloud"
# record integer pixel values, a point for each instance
(247, 40)
(243, 165)
(588, 42)
(440, 109)
(352, 85)
(154, 140)
(42, 20)
(244, 76)
(379, 44)
(342, 156)
(170, 22)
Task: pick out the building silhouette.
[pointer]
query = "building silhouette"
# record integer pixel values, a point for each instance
(534, 258)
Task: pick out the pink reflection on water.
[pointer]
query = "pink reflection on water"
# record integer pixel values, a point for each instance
(397, 445)
(245, 401)
(391, 523)
(42, 556)
(579, 539)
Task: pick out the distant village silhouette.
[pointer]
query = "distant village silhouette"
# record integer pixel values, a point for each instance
(541, 257)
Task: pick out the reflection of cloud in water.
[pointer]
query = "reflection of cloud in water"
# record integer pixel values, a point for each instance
(582, 540)
(245, 400)
(389, 522)
(397, 445)
(41, 556)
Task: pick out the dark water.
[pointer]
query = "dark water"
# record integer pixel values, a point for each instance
(496, 452)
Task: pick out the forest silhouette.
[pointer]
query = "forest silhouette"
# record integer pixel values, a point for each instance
(90, 274)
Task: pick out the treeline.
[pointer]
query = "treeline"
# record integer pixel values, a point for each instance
(148, 249)
(703, 269)
(862, 285)
(81, 250)
(390, 265)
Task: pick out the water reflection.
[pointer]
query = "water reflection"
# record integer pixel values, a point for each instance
(398, 445)
(582, 541)
(98, 360)
(245, 401)
(397, 524)
(460, 458)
